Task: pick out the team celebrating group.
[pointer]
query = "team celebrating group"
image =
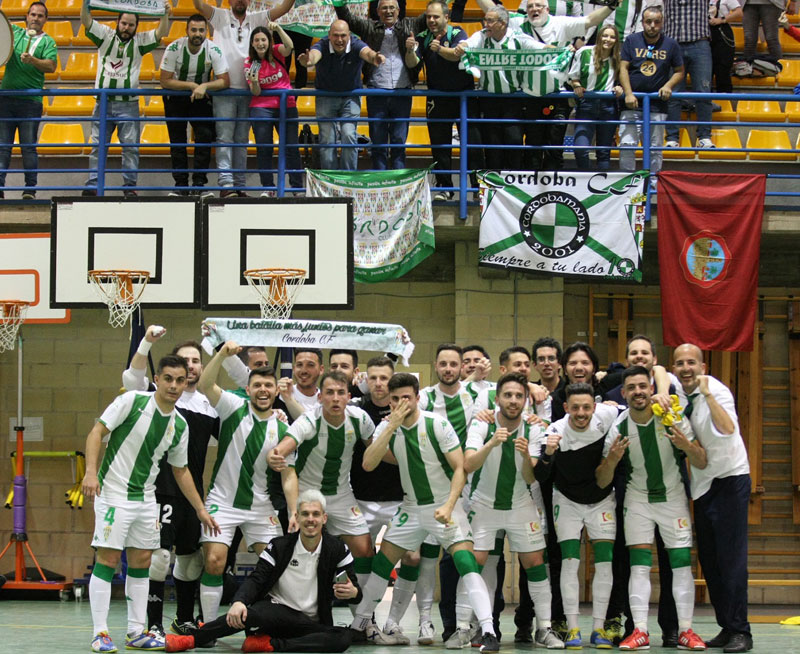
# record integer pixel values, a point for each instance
(459, 465)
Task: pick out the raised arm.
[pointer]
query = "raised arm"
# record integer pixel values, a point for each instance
(133, 379)
(203, 8)
(598, 16)
(379, 446)
(207, 384)
(287, 45)
(284, 7)
(719, 416)
(86, 15)
(163, 25)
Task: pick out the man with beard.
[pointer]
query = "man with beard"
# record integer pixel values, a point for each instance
(187, 65)
(119, 55)
(654, 496)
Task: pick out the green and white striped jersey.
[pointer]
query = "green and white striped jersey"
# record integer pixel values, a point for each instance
(456, 409)
(324, 452)
(498, 483)
(651, 460)
(197, 67)
(583, 69)
(558, 7)
(486, 400)
(119, 63)
(420, 452)
(625, 17)
(141, 434)
(500, 81)
(558, 31)
(241, 474)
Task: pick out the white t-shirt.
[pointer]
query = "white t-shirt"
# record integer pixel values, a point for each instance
(233, 38)
(297, 586)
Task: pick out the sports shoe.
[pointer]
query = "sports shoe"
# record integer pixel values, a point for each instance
(268, 194)
(705, 144)
(489, 643)
(157, 630)
(426, 633)
(29, 194)
(690, 640)
(523, 636)
(376, 637)
(547, 639)
(460, 639)
(672, 144)
(258, 643)
(183, 628)
(614, 630)
(129, 193)
(176, 643)
(573, 639)
(145, 641)
(203, 192)
(241, 194)
(600, 639)
(227, 193)
(88, 193)
(561, 629)
(178, 193)
(443, 196)
(396, 631)
(637, 640)
(476, 639)
(102, 643)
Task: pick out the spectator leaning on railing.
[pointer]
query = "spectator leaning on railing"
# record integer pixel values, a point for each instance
(33, 55)
(338, 59)
(186, 66)
(120, 53)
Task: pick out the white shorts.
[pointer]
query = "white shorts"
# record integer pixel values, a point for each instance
(124, 523)
(257, 526)
(538, 501)
(344, 515)
(522, 524)
(411, 525)
(377, 514)
(672, 518)
(600, 519)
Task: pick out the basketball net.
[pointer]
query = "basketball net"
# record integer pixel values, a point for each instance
(120, 290)
(276, 288)
(12, 315)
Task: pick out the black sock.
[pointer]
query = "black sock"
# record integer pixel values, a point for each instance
(155, 604)
(184, 594)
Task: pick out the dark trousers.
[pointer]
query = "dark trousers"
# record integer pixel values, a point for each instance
(291, 631)
(13, 111)
(302, 42)
(723, 50)
(509, 133)
(441, 133)
(720, 520)
(204, 133)
(545, 133)
(392, 113)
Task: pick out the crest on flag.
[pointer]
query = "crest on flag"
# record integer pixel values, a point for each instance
(705, 258)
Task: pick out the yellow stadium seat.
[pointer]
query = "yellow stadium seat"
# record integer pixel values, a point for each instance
(183, 9)
(68, 136)
(176, 31)
(738, 37)
(80, 66)
(471, 28)
(60, 30)
(419, 140)
(153, 107)
(759, 81)
(251, 139)
(52, 77)
(723, 138)
(685, 142)
(415, 7)
(81, 40)
(418, 103)
(152, 134)
(790, 75)
(66, 8)
(70, 105)
(472, 11)
(147, 25)
(148, 70)
(727, 113)
(788, 44)
(15, 8)
(771, 140)
(793, 112)
(114, 147)
(760, 111)
(306, 105)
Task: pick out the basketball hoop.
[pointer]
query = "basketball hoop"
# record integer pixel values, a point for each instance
(120, 290)
(12, 315)
(277, 289)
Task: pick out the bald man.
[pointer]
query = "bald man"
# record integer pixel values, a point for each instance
(721, 494)
(338, 58)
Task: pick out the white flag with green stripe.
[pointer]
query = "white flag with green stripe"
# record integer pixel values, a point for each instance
(588, 224)
(141, 7)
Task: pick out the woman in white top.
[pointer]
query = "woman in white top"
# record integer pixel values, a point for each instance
(723, 48)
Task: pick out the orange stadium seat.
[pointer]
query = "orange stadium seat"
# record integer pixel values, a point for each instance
(60, 30)
(415, 7)
(772, 140)
(418, 103)
(15, 8)
(154, 133)
(151, 106)
(793, 112)
(727, 113)
(790, 75)
(471, 28)
(69, 137)
(419, 139)
(81, 40)
(738, 37)
(80, 67)
(788, 44)
(183, 9)
(147, 25)
(685, 142)
(723, 138)
(176, 31)
(148, 70)
(66, 8)
(760, 111)
(306, 105)
(70, 105)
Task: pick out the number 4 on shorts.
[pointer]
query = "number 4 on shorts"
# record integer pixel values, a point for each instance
(109, 517)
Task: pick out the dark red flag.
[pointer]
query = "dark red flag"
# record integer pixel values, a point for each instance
(709, 235)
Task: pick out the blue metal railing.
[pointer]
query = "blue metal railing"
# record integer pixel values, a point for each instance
(464, 121)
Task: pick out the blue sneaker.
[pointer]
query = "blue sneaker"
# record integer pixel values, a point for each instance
(102, 643)
(145, 641)
(573, 639)
(600, 639)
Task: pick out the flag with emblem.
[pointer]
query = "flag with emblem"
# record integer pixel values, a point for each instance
(709, 236)
(585, 224)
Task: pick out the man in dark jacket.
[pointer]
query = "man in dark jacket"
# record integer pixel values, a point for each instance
(285, 603)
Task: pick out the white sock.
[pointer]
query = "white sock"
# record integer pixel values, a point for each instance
(570, 590)
(463, 606)
(639, 592)
(210, 597)
(601, 592)
(683, 593)
(489, 574)
(100, 600)
(542, 597)
(373, 593)
(479, 600)
(136, 589)
(402, 593)
(425, 587)
(363, 578)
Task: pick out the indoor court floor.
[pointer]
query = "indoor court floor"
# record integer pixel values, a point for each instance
(65, 628)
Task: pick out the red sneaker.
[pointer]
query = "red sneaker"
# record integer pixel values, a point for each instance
(258, 643)
(690, 640)
(176, 643)
(637, 640)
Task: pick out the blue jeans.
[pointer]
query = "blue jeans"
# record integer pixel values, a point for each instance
(630, 134)
(11, 111)
(128, 132)
(228, 131)
(340, 131)
(601, 110)
(392, 127)
(697, 62)
(262, 130)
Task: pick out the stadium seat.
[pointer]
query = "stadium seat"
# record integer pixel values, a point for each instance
(81, 40)
(415, 7)
(70, 105)
(68, 136)
(154, 133)
(152, 105)
(756, 81)
(793, 112)
(60, 30)
(146, 26)
(15, 8)
(738, 37)
(52, 77)
(685, 142)
(790, 75)
(788, 44)
(472, 11)
(727, 113)
(183, 9)
(723, 138)
(148, 70)
(770, 140)
(176, 31)
(760, 111)
(471, 28)
(306, 105)
(418, 103)
(419, 141)
(66, 8)
(80, 67)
